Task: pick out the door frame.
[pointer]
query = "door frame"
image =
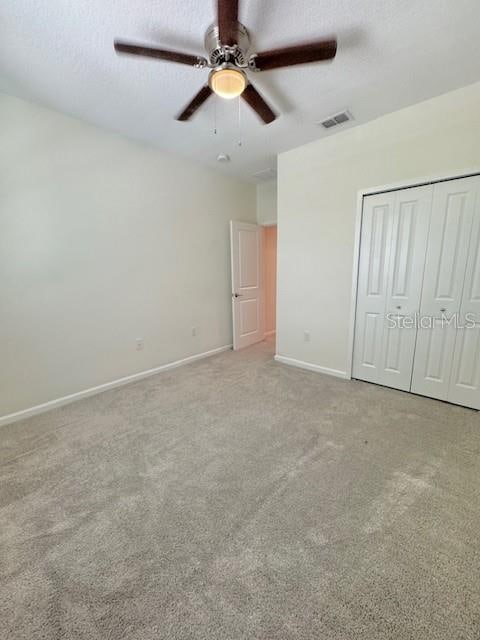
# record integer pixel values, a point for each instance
(361, 194)
(260, 286)
(266, 334)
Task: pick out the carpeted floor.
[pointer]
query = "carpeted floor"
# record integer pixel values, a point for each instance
(240, 498)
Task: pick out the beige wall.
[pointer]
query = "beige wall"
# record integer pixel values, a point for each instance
(267, 202)
(317, 197)
(103, 241)
(270, 276)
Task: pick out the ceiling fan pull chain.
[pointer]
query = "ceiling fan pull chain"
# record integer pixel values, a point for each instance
(239, 122)
(215, 117)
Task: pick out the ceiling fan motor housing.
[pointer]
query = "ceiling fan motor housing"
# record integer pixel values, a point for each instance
(220, 55)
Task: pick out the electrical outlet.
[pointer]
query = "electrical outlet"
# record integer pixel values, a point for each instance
(306, 336)
(140, 344)
(194, 331)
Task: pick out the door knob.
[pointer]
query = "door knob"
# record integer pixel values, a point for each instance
(398, 307)
(443, 310)
(238, 295)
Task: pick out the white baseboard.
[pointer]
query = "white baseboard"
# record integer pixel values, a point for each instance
(269, 333)
(59, 402)
(312, 367)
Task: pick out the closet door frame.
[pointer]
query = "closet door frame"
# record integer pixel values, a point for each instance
(362, 193)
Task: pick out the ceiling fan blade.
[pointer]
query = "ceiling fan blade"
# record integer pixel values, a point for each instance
(204, 93)
(258, 104)
(290, 56)
(227, 21)
(162, 54)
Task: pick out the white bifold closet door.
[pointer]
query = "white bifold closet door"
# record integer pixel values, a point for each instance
(392, 257)
(420, 256)
(464, 385)
(448, 248)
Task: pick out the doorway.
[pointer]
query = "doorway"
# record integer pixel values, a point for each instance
(270, 279)
(254, 283)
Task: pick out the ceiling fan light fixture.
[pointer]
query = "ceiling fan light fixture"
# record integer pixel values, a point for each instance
(228, 83)
(227, 44)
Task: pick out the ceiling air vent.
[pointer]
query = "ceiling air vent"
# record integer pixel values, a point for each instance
(338, 118)
(265, 174)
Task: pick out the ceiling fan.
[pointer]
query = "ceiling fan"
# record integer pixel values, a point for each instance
(227, 44)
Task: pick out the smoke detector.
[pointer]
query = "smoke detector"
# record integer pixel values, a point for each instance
(223, 157)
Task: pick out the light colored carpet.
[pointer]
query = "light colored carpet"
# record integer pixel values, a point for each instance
(240, 498)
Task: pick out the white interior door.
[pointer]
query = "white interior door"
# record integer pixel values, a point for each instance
(448, 244)
(465, 379)
(247, 285)
(392, 257)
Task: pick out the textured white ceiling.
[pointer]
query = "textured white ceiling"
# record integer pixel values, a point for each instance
(391, 53)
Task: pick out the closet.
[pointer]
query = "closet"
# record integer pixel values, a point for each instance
(417, 323)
